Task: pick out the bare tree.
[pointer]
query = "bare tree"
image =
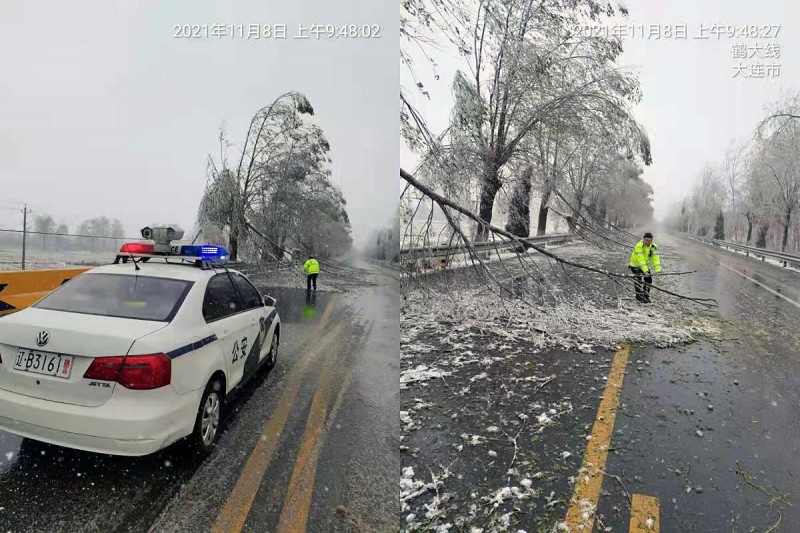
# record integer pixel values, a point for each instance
(280, 147)
(706, 201)
(44, 224)
(525, 67)
(760, 178)
(732, 173)
(777, 153)
(503, 238)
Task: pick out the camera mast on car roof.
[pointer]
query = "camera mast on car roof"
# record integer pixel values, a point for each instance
(205, 256)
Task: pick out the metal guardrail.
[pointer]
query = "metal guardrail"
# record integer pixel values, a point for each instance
(785, 258)
(442, 251)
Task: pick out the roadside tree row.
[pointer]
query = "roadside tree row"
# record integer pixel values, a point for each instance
(46, 234)
(752, 196)
(539, 113)
(274, 197)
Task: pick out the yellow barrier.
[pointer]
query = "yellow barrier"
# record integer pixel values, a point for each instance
(23, 288)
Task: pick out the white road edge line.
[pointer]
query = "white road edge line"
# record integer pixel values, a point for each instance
(776, 293)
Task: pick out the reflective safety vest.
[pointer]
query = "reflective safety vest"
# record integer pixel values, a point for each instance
(311, 267)
(644, 255)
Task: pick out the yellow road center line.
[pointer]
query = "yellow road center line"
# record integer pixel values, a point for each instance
(645, 512)
(583, 505)
(234, 512)
(297, 503)
(294, 515)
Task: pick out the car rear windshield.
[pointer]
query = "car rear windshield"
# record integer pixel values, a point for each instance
(118, 295)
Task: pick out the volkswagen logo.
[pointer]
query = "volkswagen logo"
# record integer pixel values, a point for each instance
(42, 338)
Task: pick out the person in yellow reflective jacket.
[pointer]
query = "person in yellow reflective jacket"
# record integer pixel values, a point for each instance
(311, 268)
(644, 261)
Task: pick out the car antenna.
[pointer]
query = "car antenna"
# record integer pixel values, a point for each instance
(135, 263)
(215, 267)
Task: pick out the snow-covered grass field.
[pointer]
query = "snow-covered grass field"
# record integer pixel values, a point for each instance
(339, 279)
(11, 259)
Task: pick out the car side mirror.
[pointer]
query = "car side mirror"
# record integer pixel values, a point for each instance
(269, 301)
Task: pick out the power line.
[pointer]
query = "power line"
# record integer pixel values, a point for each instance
(72, 235)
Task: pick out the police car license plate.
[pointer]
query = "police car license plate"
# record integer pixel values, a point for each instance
(49, 364)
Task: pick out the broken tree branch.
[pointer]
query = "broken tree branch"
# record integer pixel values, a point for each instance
(442, 201)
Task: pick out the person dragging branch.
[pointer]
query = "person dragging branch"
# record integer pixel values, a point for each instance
(644, 260)
(311, 268)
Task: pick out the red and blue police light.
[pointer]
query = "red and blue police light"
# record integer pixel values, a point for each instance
(206, 252)
(203, 252)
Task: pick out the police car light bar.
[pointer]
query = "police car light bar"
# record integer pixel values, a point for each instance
(206, 252)
(136, 248)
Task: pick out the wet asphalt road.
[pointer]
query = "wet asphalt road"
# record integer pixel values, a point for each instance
(313, 444)
(749, 373)
(741, 473)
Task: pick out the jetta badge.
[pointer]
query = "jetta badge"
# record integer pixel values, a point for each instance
(42, 338)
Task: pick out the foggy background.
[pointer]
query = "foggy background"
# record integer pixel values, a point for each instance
(104, 112)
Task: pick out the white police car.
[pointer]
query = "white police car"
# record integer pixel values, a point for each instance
(128, 358)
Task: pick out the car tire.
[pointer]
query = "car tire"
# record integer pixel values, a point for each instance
(206, 426)
(272, 356)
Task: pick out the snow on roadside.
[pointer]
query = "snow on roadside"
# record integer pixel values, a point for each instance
(420, 373)
(468, 362)
(411, 488)
(574, 325)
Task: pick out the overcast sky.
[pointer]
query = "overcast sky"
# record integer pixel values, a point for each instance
(104, 112)
(692, 106)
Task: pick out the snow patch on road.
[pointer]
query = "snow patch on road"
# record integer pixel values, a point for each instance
(574, 325)
(419, 374)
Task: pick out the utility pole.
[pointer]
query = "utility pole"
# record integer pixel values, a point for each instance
(24, 232)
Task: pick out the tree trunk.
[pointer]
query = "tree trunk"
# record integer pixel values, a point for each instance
(761, 241)
(489, 187)
(577, 207)
(519, 216)
(719, 227)
(786, 222)
(541, 226)
(749, 229)
(234, 241)
(282, 244)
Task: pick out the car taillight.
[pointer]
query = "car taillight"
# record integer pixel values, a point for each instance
(146, 371)
(104, 368)
(134, 371)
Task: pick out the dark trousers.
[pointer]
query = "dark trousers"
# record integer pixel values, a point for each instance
(311, 278)
(642, 284)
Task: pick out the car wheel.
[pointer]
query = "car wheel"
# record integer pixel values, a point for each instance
(206, 427)
(272, 356)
